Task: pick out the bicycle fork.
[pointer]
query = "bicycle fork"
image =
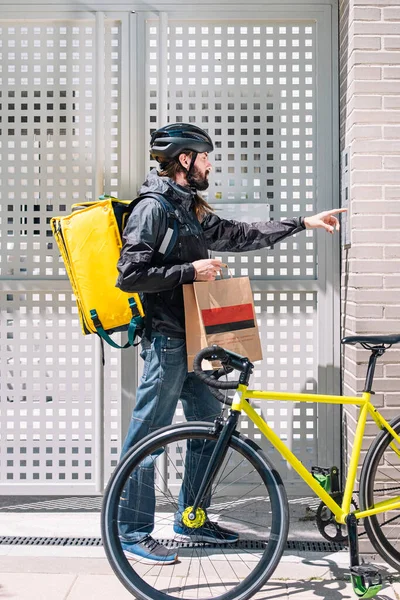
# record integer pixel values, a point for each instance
(216, 460)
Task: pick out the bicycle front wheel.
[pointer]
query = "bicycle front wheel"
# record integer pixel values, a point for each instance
(246, 496)
(380, 481)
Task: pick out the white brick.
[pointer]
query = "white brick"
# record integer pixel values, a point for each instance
(360, 13)
(375, 177)
(374, 117)
(367, 132)
(366, 192)
(391, 42)
(394, 371)
(392, 193)
(364, 222)
(375, 266)
(392, 222)
(372, 87)
(373, 28)
(392, 162)
(367, 251)
(375, 237)
(391, 14)
(373, 58)
(359, 280)
(391, 133)
(393, 312)
(363, 42)
(375, 2)
(361, 102)
(376, 146)
(364, 312)
(383, 385)
(369, 73)
(378, 208)
(390, 102)
(393, 399)
(366, 163)
(384, 297)
(391, 72)
(364, 102)
(392, 281)
(383, 326)
(392, 251)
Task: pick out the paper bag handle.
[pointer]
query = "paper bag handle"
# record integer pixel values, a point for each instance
(228, 269)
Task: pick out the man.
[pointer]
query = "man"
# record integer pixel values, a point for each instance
(182, 151)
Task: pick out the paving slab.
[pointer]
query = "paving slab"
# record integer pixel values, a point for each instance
(97, 587)
(54, 565)
(50, 525)
(33, 586)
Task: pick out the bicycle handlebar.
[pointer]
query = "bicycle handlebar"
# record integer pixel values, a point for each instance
(229, 360)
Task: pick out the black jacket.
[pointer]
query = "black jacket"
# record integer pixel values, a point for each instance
(140, 268)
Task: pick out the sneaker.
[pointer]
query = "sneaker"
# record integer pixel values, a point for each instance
(210, 533)
(149, 551)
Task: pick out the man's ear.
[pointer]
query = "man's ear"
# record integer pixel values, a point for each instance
(184, 159)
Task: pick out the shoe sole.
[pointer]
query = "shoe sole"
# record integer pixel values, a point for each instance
(181, 537)
(149, 561)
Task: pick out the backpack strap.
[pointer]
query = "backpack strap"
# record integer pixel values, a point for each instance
(171, 235)
(165, 249)
(136, 321)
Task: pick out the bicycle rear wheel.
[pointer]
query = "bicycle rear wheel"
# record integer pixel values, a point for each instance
(247, 496)
(380, 480)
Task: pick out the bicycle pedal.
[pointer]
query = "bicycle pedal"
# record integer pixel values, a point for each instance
(366, 580)
(327, 477)
(366, 571)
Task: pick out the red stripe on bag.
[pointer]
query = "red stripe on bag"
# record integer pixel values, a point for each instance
(227, 314)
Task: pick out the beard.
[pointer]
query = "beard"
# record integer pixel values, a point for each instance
(197, 180)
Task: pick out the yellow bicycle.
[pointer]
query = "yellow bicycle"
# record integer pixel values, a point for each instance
(207, 475)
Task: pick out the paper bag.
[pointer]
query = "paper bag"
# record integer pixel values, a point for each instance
(221, 312)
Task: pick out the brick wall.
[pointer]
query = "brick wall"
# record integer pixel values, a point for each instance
(370, 130)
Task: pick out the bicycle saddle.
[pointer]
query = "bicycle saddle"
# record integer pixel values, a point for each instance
(372, 339)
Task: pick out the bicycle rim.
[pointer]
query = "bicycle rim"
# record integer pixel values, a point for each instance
(380, 481)
(247, 496)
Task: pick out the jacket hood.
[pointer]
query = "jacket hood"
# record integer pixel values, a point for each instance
(155, 183)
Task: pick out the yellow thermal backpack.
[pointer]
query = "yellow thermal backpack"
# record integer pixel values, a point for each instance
(90, 241)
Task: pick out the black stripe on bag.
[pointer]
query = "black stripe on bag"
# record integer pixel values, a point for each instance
(226, 327)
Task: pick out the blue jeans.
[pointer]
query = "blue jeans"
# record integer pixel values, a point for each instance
(165, 380)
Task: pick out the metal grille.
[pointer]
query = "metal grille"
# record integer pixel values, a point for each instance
(48, 140)
(252, 86)
(48, 163)
(47, 396)
(302, 546)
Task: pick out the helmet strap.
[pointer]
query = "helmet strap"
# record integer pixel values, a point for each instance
(190, 169)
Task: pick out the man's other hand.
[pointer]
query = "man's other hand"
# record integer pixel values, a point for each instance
(207, 269)
(325, 220)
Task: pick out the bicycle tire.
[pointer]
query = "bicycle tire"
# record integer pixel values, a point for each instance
(376, 485)
(143, 583)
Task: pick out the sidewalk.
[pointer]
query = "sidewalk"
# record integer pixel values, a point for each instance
(83, 573)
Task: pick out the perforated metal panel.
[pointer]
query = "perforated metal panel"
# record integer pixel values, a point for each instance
(48, 163)
(252, 85)
(47, 410)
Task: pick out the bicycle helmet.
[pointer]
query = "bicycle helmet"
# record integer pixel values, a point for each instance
(170, 141)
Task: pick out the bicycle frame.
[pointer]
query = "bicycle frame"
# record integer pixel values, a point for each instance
(240, 403)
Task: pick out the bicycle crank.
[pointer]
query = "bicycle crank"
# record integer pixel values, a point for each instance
(327, 525)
